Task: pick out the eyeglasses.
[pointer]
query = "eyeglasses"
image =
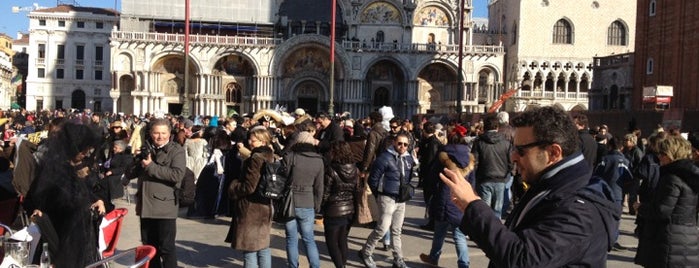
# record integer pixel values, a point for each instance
(394, 127)
(404, 144)
(521, 149)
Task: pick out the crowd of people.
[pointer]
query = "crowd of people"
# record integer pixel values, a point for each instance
(558, 183)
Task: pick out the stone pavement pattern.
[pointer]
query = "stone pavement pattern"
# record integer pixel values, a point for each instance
(200, 242)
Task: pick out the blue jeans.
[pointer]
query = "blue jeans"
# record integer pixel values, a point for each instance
(255, 259)
(493, 193)
(508, 193)
(440, 232)
(303, 224)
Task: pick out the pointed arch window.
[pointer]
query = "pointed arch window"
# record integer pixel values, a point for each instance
(649, 66)
(616, 34)
(562, 32)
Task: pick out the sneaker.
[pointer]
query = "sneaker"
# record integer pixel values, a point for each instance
(426, 259)
(399, 263)
(619, 247)
(368, 261)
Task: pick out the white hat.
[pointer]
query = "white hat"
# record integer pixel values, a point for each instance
(386, 113)
(299, 112)
(349, 123)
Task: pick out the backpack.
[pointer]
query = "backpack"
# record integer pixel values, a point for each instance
(274, 180)
(187, 190)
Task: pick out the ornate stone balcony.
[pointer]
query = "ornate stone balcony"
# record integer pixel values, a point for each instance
(195, 39)
(250, 41)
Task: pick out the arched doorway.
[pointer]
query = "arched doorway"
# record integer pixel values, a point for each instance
(435, 83)
(77, 99)
(125, 101)
(387, 83)
(308, 94)
(381, 97)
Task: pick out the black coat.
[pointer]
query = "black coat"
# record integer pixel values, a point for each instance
(492, 152)
(118, 165)
(340, 189)
(670, 237)
(588, 146)
(560, 222)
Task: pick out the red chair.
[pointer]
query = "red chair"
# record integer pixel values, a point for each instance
(8, 212)
(142, 256)
(110, 230)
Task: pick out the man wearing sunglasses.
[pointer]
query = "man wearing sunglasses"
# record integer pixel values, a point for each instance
(566, 219)
(392, 168)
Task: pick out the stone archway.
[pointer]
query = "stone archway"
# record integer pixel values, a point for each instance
(172, 69)
(386, 76)
(435, 82)
(125, 100)
(308, 96)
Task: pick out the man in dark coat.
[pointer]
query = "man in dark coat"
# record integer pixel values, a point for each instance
(373, 142)
(588, 145)
(429, 147)
(330, 132)
(564, 220)
(492, 152)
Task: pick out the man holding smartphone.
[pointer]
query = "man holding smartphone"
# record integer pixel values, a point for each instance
(566, 218)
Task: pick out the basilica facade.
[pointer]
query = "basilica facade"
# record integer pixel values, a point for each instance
(256, 55)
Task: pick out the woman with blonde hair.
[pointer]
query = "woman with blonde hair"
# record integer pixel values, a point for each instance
(670, 237)
(251, 227)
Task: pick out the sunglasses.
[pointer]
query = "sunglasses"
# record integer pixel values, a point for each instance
(404, 144)
(394, 127)
(521, 149)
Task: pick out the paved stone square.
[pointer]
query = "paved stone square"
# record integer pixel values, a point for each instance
(200, 243)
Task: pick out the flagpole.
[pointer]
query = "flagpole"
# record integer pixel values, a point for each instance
(185, 105)
(331, 105)
(460, 85)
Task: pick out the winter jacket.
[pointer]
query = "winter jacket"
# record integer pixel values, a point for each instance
(670, 237)
(340, 189)
(307, 169)
(454, 157)
(373, 142)
(564, 220)
(428, 154)
(156, 186)
(252, 223)
(492, 152)
(588, 146)
(386, 172)
(329, 135)
(649, 172)
(614, 169)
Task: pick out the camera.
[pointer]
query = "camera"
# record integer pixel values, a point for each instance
(146, 149)
(136, 169)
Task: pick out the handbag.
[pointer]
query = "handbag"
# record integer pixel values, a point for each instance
(284, 208)
(405, 192)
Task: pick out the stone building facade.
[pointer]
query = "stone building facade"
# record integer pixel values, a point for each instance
(550, 47)
(7, 72)
(402, 54)
(69, 58)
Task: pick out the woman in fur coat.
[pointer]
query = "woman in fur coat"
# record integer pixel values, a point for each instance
(251, 226)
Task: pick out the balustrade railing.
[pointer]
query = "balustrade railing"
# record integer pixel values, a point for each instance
(356, 46)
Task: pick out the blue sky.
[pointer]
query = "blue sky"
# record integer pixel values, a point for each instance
(11, 22)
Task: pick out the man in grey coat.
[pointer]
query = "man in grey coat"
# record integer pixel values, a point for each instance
(163, 171)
